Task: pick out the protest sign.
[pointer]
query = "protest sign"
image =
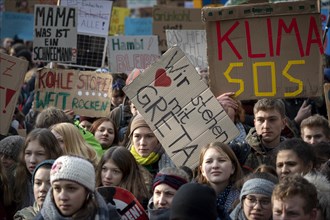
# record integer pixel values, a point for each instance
(26, 6)
(12, 73)
(138, 26)
(177, 18)
(129, 52)
(180, 108)
(192, 43)
(86, 93)
(269, 50)
(126, 203)
(55, 34)
(117, 23)
(22, 22)
(93, 16)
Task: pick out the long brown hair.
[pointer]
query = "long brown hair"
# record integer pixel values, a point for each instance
(223, 149)
(132, 175)
(53, 150)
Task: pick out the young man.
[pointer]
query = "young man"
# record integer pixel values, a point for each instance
(294, 198)
(259, 144)
(315, 129)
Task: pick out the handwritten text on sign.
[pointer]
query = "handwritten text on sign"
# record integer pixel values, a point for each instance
(93, 16)
(87, 93)
(276, 56)
(12, 71)
(129, 52)
(55, 34)
(179, 107)
(192, 43)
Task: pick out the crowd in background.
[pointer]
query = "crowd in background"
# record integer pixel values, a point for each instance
(278, 166)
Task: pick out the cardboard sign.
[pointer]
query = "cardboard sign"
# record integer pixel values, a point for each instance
(126, 203)
(327, 97)
(180, 108)
(174, 18)
(129, 52)
(26, 6)
(192, 43)
(55, 34)
(12, 73)
(22, 22)
(86, 93)
(138, 26)
(93, 16)
(269, 50)
(117, 24)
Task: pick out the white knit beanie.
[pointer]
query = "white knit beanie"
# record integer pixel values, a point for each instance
(74, 169)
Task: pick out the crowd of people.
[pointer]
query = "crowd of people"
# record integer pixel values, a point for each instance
(278, 167)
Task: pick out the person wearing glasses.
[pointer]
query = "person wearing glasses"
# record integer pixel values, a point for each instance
(255, 198)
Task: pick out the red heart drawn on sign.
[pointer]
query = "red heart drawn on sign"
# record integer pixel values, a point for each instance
(161, 79)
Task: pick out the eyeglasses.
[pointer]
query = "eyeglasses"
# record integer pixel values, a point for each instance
(251, 201)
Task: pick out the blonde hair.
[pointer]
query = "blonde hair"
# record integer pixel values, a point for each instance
(74, 142)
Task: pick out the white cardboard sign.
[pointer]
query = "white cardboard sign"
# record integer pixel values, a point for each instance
(192, 43)
(55, 34)
(129, 52)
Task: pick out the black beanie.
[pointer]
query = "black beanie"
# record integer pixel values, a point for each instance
(11, 145)
(194, 201)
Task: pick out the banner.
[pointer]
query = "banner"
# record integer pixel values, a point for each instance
(12, 73)
(176, 18)
(269, 50)
(86, 93)
(22, 22)
(129, 52)
(55, 34)
(180, 108)
(192, 43)
(93, 16)
(117, 24)
(138, 26)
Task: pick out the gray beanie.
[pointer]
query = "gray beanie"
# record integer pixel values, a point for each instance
(75, 169)
(11, 145)
(257, 186)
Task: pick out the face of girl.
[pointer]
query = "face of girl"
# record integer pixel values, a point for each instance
(34, 154)
(59, 139)
(111, 174)
(216, 167)
(144, 141)
(257, 207)
(105, 134)
(85, 125)
(163, 196)
(41, 185)
(69, 196)
(288, 163)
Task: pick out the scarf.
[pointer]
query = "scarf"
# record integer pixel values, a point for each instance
(238, 213)
(152, 158)
(49, 210)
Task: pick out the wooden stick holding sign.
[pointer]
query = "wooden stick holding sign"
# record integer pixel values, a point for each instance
(327, 97)
(179, 108)
(12, 72)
